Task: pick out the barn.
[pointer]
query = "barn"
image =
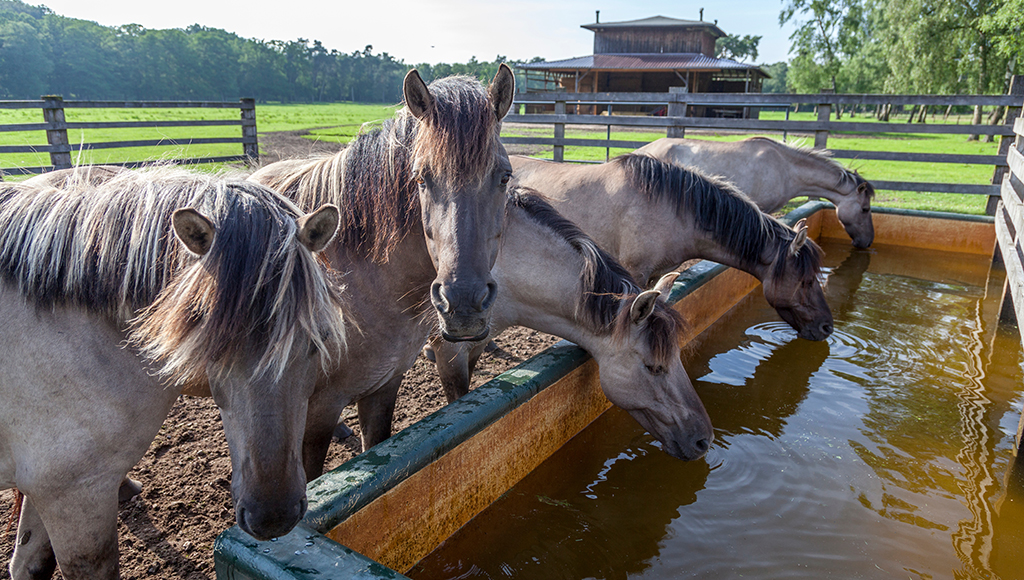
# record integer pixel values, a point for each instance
(650, 55)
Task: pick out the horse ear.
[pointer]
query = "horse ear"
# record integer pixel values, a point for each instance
(800, 239)
(417, 96)
(664, 285)
(502, 90)
(317, 229)
(643, 306)
(194, 230)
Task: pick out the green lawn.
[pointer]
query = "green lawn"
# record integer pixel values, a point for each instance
(340, 118)
(341, 122)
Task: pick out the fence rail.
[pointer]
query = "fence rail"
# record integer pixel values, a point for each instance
(1009, 229)
(675, 123)
(60, 149)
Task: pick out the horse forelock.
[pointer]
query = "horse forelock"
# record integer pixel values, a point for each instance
(715, 206)
(457, 143)
(806, 264)
(660, 330)
(109, 248)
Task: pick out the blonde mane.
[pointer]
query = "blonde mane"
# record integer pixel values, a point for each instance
(109, 248)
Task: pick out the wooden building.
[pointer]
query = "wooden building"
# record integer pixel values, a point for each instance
(650, 55)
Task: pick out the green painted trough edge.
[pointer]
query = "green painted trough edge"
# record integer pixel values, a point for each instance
(305, 553)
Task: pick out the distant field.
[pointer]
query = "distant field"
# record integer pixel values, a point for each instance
(341, 122)
(344, 119)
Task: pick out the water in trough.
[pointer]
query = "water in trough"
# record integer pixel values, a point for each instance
(884, 453)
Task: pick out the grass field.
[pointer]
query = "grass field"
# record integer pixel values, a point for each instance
(341, 122)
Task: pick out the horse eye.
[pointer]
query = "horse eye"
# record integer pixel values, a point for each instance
(505, 178)
(419, 180)
(656, 370)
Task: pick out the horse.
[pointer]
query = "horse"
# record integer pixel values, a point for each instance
(422, 195)
(437, 167)
(652, 215)
(118, 294)
(556, 280)
(772, 173)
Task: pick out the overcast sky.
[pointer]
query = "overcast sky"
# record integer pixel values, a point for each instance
(435, 31)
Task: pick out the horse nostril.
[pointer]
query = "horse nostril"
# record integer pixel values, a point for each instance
(438, 298)
(702, 445)
(489, 296)
(826, 328)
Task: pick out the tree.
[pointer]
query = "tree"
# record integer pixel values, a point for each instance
(778, 72)
(736, 47)
(823, 40)
(24, 63)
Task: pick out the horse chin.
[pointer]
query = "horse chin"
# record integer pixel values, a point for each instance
(679, 443)
(462, 338)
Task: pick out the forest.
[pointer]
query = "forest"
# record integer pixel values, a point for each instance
(852, 46)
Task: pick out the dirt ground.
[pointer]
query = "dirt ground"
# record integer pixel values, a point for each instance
(167, 532)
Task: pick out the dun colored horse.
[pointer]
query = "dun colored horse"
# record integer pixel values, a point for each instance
(421, 196)
(772, 173)
(652, 216)
(437, 169)
(105, 319)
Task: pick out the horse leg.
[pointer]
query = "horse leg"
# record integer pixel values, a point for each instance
(377, 411)
(129, 489)
(33, 557)
(321, 422)
(82, 527)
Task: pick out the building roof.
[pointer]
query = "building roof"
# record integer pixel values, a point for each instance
(656, 22)
(651, 62)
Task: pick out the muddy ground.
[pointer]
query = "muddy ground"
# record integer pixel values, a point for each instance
(167, 532)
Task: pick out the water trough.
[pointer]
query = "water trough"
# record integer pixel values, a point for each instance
(380, 513)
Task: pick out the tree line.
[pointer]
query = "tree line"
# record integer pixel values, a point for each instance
(851, 46)
(45, 53)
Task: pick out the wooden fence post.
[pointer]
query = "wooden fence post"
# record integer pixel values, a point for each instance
(56, 131)
(559, 150)
(250, 142)
(676, 110)
(824, 113)
(1016, 89)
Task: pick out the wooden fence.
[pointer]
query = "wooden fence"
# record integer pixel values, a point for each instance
(1010, 234)
(56, 127)
(677, 121)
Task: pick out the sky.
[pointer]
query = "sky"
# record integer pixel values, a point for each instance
(433, 31)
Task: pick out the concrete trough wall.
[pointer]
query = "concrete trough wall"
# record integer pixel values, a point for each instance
(383, 511)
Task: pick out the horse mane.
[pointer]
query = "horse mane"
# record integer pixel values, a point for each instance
(721, 210)
(825, 156)
(606, 288)
(109, 248)
(372, 180)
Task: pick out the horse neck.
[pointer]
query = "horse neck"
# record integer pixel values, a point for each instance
(538, 276)
(813, 176)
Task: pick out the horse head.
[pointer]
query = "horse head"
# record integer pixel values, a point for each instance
(644, 375)
(255, 318)
(854, 209)
(793, 286)
(462, 172)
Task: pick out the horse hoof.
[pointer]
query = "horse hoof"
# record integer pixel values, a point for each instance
(428, 352)
(342, 431)
(491, 346)
(129, 489)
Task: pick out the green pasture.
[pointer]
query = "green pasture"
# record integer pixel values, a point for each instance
(341, 122)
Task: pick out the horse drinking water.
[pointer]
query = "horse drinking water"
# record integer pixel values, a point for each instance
(772, 173)
(105, 319)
